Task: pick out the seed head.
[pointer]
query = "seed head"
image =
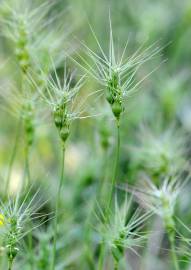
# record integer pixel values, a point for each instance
(162, 200)
(14, 218)
(116, 74)
(123, 231)
(34, 34)
(22, 105)
(160, 153)
(60, 96)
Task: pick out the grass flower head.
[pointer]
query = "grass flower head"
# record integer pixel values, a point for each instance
(123, 231)
(60, 97)
(116, 74)
(14, 218)
(162, 200)
(160, 153)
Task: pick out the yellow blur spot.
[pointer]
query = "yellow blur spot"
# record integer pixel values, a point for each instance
(2, 220)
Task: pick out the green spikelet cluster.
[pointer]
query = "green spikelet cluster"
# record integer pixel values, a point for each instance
(28, 115)
(114, 95)
(168, 217)
(22, 50)
(12, 240)
(118, 247)
(61, 121)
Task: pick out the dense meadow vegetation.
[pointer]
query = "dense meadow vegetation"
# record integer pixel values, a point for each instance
(95, 134)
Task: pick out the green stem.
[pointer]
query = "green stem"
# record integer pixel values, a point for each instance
(116, 265)
(173, 252)
(102, 183)
(101, 258)
(27, 184)
(31, 251)
(113, 181)
(57, 209)
(87, 230)
(10, 266)
(27, 167)
(18, 129)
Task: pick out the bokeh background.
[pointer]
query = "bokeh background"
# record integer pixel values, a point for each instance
(162, 105)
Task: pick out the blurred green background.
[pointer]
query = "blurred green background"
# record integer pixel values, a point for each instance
(163, 102)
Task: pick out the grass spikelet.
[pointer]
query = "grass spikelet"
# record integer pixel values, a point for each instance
(123, 231)
(16, 215)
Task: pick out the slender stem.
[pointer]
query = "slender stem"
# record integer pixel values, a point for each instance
(10, 266)
(87, 229)
(27, 184)
(116, 265)
(101, 258)
(101, 185)
(57, 209)
(18, 129)
(27, 167)
(173, 252)
(113, 181)
(30, 240)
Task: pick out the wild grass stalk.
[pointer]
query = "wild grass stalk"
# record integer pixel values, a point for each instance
(117, 75)
(57, 208)
(60, 97)
(173, 250)
(114, 176)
